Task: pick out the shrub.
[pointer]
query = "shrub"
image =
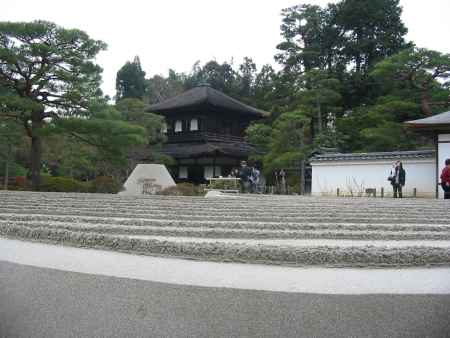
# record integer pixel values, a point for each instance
(20, 181)
(62, 184)
(224, 184)
(105, 185)
(183, 189)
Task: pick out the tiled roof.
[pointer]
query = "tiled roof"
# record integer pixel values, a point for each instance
(394, 155)
(435, 120)
(205, 95)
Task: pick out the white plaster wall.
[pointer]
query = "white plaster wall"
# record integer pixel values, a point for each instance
(327, 177)
(443, 154)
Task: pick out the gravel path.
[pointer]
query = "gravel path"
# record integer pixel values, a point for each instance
(37, 302)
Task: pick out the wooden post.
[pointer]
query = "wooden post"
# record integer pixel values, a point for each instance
(382, 192)
(415, 192)
(337, 192)
(214, 165)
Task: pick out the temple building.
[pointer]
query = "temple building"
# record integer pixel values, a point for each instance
(205, 133)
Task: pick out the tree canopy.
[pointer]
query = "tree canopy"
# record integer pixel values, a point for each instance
(49, 79)
(130, 81)
(347, 80)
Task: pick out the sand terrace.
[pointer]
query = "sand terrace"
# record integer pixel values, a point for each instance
(280, 230)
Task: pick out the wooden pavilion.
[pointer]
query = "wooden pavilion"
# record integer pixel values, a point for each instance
(205, 133)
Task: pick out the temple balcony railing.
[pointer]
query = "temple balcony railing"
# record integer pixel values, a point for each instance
(202, 137)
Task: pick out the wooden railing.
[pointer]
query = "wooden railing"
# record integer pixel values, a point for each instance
(203, 136)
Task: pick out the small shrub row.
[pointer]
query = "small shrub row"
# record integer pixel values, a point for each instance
(62, 184)
(101, 184)
(183, 189)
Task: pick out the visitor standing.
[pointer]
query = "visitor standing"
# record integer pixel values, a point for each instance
(254, 179)
(244, 175)
(445, 179)
(282, 181)
(397, 178)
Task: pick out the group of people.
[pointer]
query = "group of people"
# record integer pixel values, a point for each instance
(249, 177)
(397, 177)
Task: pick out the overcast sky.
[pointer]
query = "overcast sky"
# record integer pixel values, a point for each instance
(176, 33)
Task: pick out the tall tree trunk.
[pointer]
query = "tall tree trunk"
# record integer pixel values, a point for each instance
(302, 177)
(36, 155)
(319, 115)
(8, 155)
(302, 164)
(425, 102)
(36, 151)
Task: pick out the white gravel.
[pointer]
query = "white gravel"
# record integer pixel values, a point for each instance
(229, 275)
(299, 242)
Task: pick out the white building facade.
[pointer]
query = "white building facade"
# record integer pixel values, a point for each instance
(366, 173)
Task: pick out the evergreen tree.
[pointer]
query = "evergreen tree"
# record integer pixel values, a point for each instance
(130, 81)
(372, 30)
(49, 73)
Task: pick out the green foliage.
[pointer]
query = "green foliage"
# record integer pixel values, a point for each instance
(130, 81)
(63, 184)
(289, 139)
(232, 184)
(105, 185)
(133, 111)
(183, 189)
(101, 184)
(107, 132)
(48, 73)
(161, 88)
(259, 135)
(320, 100)
(424, 74)
(15, 169)
(49, 66)
(348, 81)
(373, 30)
(307, 32)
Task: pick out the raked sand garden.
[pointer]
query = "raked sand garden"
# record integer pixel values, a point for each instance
(92, 265)
(275, 230)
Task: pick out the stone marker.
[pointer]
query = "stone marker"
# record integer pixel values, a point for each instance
(147, 179)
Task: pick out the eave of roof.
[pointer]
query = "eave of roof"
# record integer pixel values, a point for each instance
(394, 155)
(439, 121)
(205, 95)
(186, 150)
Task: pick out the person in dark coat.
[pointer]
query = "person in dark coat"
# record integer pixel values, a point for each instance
(398, 178)
(244, 175)
(445, 179)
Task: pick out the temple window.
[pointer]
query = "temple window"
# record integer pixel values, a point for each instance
(194, 125)
(210, 171)
(178, 126)
(182, 172)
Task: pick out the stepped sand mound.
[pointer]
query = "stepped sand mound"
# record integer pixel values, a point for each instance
(298, 231)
